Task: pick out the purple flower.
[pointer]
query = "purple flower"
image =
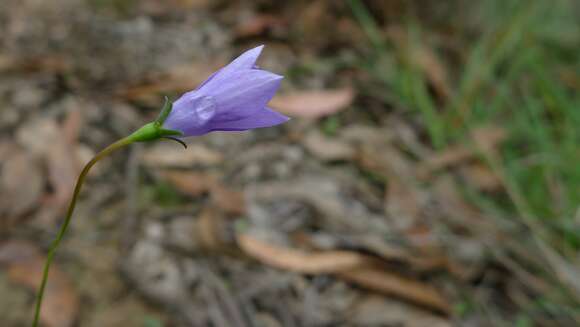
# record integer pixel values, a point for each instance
(232, 99)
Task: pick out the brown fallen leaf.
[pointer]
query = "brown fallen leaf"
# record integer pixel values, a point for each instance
(448, 157)
(196, 184)
(403, 202)
(56, 146)
(59, 148)
(488, 138)
(434, 69)
(352, 266)
(52, 64)
(25, 265)
(375, 245)
(167, 7)
(570, 78)
(166, 155)
(404, 199)
(210, 230)
(374, 310)
(230, 201)
(481, 177)
(313, 104)
(420, 55)
(21, 184)
(405, 288)
(485, 138)
(259, 24)
(323, 262)
(177, 79)
(327, 148)
(6, 62)
(62, 160)
(187, 182)
(35, 134)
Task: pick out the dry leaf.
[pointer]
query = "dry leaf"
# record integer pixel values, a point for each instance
(52, 64)
(434, 69)
(448, 157)
(374, 310)
(402, 202)
(376, 245)
(59, 149)
(190, 183)
(25, 266)
(173, 156)
(352, 266)
(57, 146)
(487, 139)
(300, 261)
(425, 58)
(326, 196)
(404, 199)
(313, 104)
(481, 176)
(167, 7)
(35, 135)
(196, 184)
(178, 79)
(21, 184)
(453, 205)
(230, 201)
(63, 164)
(258, 24)
(567, 76)
(210, 230)
(327, 148)
(389, 283)
(6, 62)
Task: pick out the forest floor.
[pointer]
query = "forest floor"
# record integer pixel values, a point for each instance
(429, 176)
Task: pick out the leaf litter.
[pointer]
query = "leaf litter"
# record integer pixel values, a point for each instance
(24, 263)
(286, 226)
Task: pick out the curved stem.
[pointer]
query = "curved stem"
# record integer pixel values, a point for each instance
(105, 152)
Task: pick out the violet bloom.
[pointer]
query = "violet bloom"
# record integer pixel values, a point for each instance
(233, 99)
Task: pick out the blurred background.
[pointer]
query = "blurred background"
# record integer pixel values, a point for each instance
(429, 176)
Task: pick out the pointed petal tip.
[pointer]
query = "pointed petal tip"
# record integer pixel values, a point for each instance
(253, 52)
(264, 117)
(274, 116)
(269, 75)
(248, 58)
(258, 48)
(259, 77)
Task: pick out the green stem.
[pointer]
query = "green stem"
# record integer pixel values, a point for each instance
(105, 152)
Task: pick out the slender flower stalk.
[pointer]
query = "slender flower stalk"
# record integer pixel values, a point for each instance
(108, 150)
(232, 99)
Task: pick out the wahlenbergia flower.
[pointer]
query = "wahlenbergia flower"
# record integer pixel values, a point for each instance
(232, 99)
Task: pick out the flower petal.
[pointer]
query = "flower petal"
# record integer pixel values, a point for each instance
(246, 60)
(264, 117)
(232, 99)
(243, 93)
(191, 114)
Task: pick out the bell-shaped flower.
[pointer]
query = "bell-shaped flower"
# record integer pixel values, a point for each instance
(234, 98)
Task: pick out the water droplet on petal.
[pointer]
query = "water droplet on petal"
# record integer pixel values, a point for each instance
(205, 109)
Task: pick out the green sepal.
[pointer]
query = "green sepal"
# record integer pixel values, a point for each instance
(169, 132)
(154, 130)
(165, 111)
